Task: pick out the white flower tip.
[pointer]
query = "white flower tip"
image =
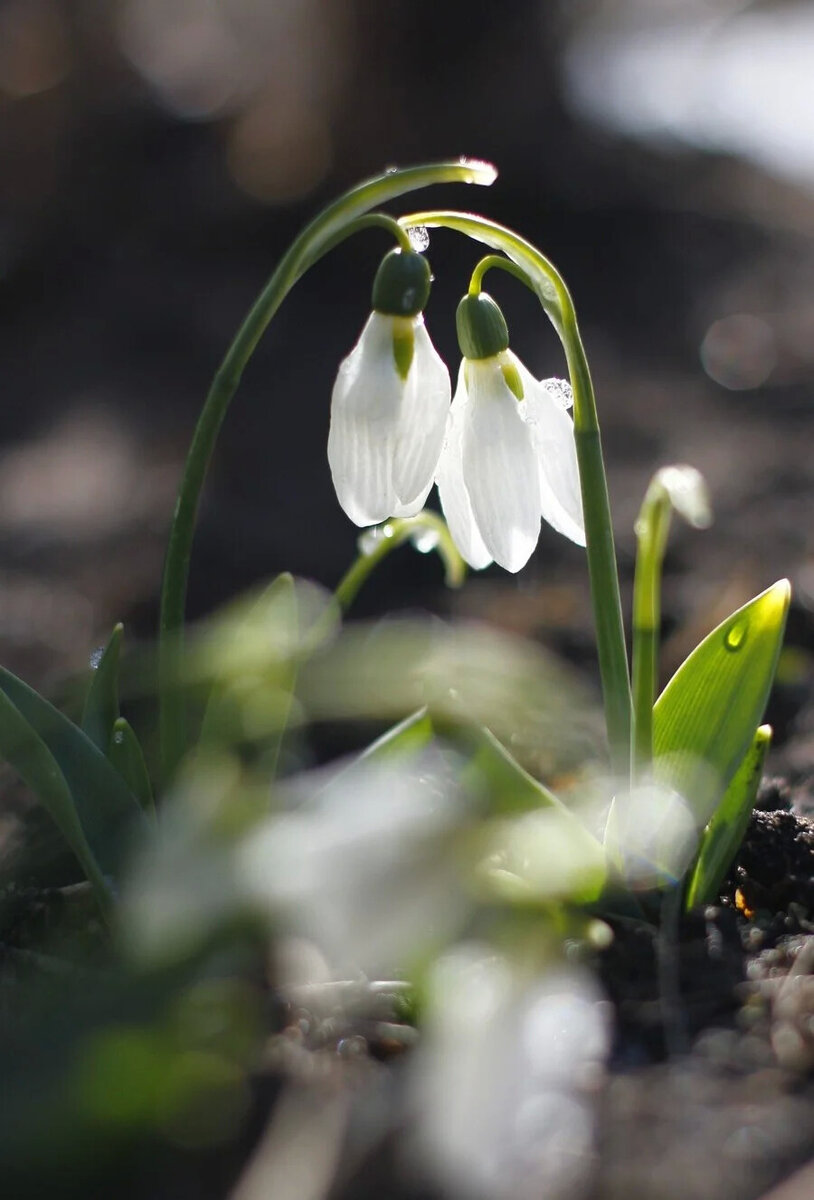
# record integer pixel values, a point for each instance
(687, 492)
(479, 171)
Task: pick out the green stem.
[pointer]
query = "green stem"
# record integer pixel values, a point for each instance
(492, 261)
(336, 222)
(652, 529)
(374, 220)
(392, 534)
(602, 569)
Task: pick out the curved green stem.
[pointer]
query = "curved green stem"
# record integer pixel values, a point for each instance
(604, 578)
(375, 220)
(392, 534)
(492, 261)
(336, 222)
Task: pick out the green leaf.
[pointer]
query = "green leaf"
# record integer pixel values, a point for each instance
(490, 768)
(127, 757)
(105, 809)
(725, 832)
(511, 789)
(102, 702)
(251, 654)
(26, 751)
(705, 719)
(408, 737)
(533, 848)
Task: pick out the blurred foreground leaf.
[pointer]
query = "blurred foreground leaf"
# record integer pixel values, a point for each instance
(251, 652)
(412, 734)
(534, 848)
(465, 675)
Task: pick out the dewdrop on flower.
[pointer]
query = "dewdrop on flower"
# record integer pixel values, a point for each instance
(509, 458)
(390, 401)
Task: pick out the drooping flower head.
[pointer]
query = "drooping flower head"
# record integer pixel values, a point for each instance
(390, 401)
(509, 458)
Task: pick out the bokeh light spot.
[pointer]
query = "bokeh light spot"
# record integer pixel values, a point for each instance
(739, 352)
(279, 153)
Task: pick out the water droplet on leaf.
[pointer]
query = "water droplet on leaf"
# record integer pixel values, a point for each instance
(96, 657)
(735, 636)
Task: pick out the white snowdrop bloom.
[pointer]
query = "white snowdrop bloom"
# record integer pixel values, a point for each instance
(390, 401)
(509, 457)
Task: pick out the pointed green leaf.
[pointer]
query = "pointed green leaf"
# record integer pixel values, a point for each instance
(534, 849)
(511, 788)
(489, 767)
(102, 702)
(251, 653)
(409, 736)
(725, 832)
(106, 810)
(127, 757)
(705, 719)
(27, 753)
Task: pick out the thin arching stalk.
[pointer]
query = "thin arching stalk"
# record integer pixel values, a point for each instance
(342, 218)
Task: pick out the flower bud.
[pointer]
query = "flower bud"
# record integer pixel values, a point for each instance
(402, 284)
(482, 330)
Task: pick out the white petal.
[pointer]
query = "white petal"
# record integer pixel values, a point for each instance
(687, 493)
(423, 421)
(552, 435)
(452, 489)
(365, 414)
(499, 467)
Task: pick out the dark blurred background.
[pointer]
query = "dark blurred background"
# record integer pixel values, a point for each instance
(156, 157)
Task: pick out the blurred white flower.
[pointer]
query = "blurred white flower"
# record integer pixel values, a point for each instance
(509, 458)
(359, 862)
(651, 834)
(505, 1078)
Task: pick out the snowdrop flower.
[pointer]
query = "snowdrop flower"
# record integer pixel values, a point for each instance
(390, 401)
(509, 458)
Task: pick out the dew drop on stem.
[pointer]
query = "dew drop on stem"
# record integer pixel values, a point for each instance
(426, 540)
(419, 238)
